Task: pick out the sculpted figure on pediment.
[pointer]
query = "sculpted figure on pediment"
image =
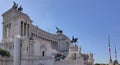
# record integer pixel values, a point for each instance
(14, 5)
(59, 30)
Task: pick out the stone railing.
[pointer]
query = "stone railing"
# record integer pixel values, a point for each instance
(5, 60)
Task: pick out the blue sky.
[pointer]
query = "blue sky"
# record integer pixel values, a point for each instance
(89, 20)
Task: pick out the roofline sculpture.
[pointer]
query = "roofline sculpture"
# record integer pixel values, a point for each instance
(59, 30)
(15, 6)
(74, 40)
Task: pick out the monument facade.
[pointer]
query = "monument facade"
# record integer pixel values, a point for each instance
(30, 45)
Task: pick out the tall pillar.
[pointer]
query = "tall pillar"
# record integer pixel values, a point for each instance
(3, 32)
(26, 29)
(30, 30)
(7, 30)
(17, 50)
(9, 27)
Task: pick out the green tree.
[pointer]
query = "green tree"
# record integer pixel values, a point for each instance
(4, 53)
(97, 64)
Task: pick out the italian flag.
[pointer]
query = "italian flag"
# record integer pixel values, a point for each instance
(115, 53)
(109, 49)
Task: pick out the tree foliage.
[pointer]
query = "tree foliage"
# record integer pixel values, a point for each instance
(4, 53)
(58, 57)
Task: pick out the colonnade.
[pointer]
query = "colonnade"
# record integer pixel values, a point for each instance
(6, 30)
(24, 29)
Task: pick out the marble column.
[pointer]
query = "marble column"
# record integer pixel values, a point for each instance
(9, 27)
(26, 30)
(30, 30)
(17, 50)
(7, 31)
(3, 32)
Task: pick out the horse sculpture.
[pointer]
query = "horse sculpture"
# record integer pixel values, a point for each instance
(74, 40)
(20, 8)
(15, 5)
(58, 30)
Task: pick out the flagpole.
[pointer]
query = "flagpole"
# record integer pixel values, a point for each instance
(109, 49)
(115, 53)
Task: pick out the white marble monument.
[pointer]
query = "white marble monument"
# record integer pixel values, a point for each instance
(30, 45)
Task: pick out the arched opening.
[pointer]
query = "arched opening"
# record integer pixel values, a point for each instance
(21, 28)
(43, 53)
